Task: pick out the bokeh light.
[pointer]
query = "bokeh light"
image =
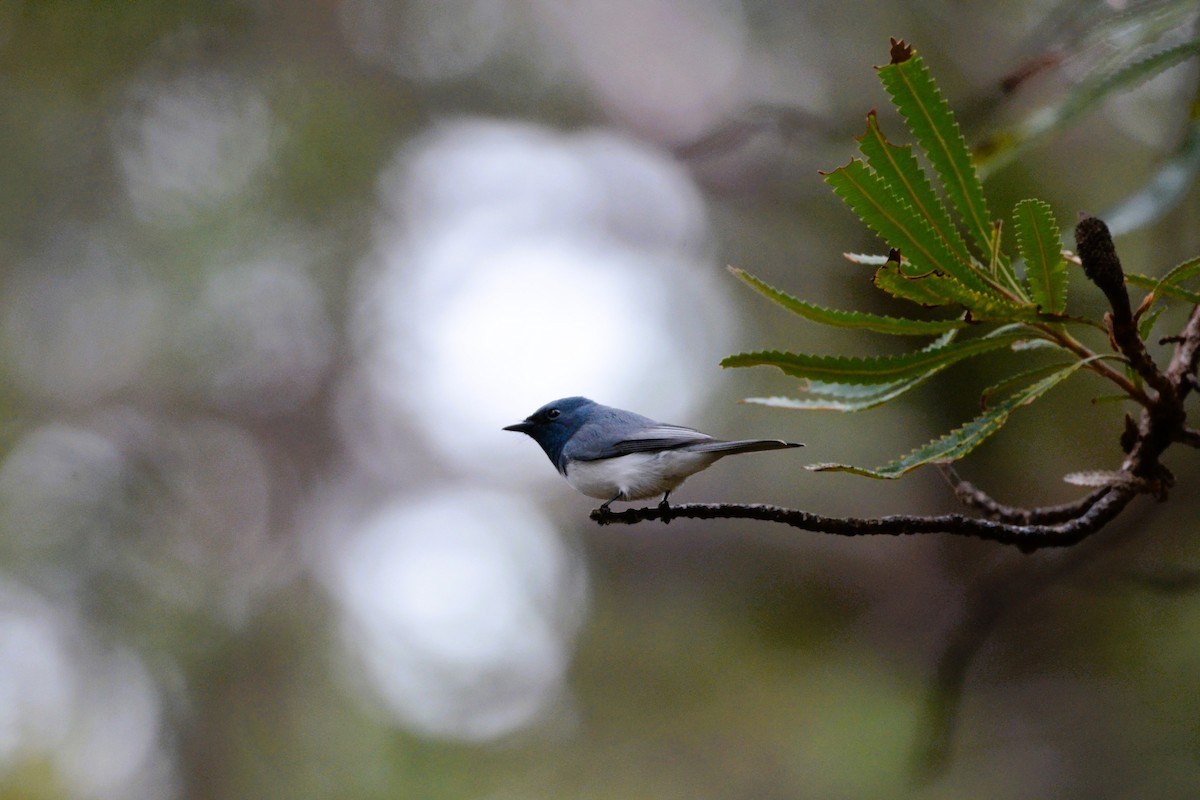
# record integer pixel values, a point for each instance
(459, 607)
(188, 144)
(81, 320)
(258, 339)
(168, 516)
(691, 59)
(93, 713)
(427, 40)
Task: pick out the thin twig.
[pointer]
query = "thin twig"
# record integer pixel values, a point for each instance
(1087, 355)
(1186, 358)
(973, 497)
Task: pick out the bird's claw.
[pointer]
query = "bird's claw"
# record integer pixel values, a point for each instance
(664, 508)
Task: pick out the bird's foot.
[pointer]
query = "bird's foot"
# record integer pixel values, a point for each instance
(664, 508)
(604, 509)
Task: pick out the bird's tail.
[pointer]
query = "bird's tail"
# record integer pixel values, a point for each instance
(742, 446)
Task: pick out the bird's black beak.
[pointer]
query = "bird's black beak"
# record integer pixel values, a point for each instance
(524, 426)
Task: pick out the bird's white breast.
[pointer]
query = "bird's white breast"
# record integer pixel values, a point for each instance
(638, 475)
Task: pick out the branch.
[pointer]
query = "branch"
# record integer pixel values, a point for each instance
(1186, 359)
(970, 495)
(1026, 537)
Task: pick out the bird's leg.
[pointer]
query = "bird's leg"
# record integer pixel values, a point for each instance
(604, 506)
(665, 508)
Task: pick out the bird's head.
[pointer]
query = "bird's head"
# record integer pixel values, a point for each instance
(555, 423)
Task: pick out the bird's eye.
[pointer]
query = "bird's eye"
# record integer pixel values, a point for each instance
(553, 413)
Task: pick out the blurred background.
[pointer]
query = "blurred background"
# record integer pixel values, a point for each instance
(275, 275)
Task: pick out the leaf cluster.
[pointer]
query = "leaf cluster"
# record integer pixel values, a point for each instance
(948, 253)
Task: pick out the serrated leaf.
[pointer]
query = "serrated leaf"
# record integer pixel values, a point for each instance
(849, 319)
(848, 397)
(1181, 272)
(874, 370)
(930, 290)
(830, 402)
(898, 224)
(936, 289)
(1008, 384)
(1146, 282)
(1040, 243)
(961, 441)
(932, 123)
(899, 169)
(1097, 87)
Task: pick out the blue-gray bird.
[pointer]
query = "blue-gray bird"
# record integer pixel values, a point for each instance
(611, 454)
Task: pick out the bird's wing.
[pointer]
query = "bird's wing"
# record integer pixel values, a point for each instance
(584, 447)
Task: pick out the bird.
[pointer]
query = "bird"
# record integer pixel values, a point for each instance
(611, 454)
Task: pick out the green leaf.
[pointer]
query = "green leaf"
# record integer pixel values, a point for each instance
(932, 123)
(937, 289)
(885, 392)
(1040, 242)
(1097, 87)
(825, 396)
(898, 168)
(849, 319)
(876, 370)
(1180, 273)
(1001, 266)
(898, 224)
(1167, 285)
(1148, 320)
(929, 290)
(961, 441)
(1130, 74)
(1156, 285)
(1008, 384)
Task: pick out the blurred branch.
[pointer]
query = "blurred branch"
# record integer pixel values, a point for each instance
(1004, 592)
(788, 123)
